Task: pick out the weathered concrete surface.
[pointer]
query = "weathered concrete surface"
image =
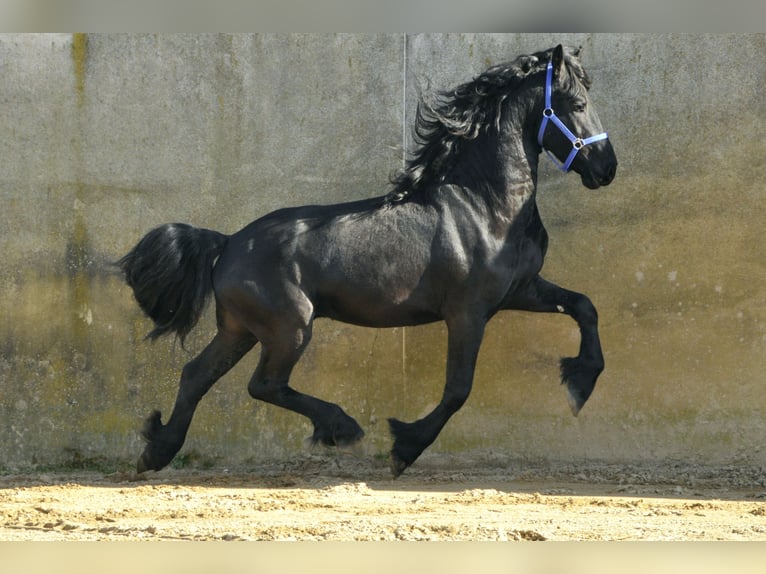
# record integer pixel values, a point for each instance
(107, 136)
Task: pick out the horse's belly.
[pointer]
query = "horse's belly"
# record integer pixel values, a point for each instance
(375, 287)
(360, 308)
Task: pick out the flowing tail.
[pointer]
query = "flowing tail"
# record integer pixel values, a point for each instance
(170, 272)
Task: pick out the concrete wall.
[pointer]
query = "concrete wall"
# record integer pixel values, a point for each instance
(106, 136)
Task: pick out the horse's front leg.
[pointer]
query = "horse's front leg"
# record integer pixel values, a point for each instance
(411, 439)
(578, 373)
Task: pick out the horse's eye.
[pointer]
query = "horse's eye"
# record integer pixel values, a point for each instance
(579, 106)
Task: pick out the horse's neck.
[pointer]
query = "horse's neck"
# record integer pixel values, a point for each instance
(513, 184)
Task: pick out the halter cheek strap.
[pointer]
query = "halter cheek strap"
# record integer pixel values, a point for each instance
(550, 115)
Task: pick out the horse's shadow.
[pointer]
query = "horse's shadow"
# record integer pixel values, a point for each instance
(451, 474)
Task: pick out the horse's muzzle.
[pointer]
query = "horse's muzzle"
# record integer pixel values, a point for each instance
(608, 175)
(593, 179)
(599, 167)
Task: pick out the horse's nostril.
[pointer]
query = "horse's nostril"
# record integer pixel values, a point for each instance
(609, 175)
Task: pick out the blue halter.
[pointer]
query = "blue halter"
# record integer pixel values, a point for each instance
(549, 114)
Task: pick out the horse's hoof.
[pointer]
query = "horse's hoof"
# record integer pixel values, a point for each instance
(580, 377)
(141, 466)
(342, 432)
(350, 437)
(398, 466)
(573, 403)
(156, 456)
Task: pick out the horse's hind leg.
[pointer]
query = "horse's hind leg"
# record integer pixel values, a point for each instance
(221, 354)
(332, 426)
(578, 373)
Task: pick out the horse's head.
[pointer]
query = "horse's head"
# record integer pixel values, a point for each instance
(570, 130)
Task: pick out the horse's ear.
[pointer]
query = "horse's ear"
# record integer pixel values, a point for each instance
(558, 60)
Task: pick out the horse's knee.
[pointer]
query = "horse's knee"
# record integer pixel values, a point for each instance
(584, 311)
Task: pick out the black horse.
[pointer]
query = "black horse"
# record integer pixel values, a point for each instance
(457, 239)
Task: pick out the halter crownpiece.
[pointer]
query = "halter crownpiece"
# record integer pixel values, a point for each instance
(549, 114)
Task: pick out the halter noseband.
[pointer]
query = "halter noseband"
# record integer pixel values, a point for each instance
(549, 114)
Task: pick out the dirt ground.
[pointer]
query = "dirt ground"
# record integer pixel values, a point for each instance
(344, 497)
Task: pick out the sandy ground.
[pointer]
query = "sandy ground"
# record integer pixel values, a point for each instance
(343, 497)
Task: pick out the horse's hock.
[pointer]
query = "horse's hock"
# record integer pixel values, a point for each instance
(110, 135)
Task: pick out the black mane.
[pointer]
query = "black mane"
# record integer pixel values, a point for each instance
(443, 122)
